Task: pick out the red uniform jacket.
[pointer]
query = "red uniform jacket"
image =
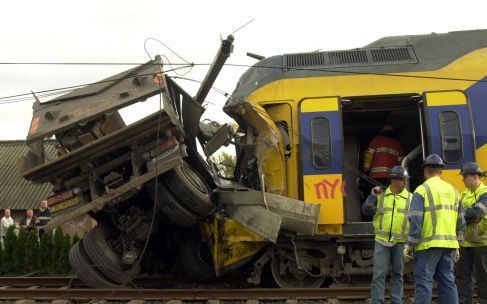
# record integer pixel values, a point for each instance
(382, 154)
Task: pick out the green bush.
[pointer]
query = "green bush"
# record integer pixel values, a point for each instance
(57, 244)
(65, 267)
(32, 252)
(76, 239)
(9, 244)
(1, 259)
(19, 252)
(44, 256)
(26, 253)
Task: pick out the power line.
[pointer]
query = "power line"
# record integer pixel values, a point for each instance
(15, 98)
(165, 45)
(81, 63)
(191, 65)
(241, 27)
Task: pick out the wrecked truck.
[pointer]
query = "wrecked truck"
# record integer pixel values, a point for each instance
(160, 205)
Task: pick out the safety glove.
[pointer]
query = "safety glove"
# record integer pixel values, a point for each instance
(456, 257)
(408, 253)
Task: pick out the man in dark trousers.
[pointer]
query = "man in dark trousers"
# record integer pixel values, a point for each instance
(473, 250)
(436, 223)
(44, 216)
(390, 210)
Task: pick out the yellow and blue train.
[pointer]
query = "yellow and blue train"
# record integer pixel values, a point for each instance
(308, 117)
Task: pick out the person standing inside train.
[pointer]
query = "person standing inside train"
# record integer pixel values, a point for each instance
(383, 153)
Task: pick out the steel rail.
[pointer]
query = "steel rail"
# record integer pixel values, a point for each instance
(192, 294)
(73, 281)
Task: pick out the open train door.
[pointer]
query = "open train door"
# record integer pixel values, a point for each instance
(321, 142)
(449, 131)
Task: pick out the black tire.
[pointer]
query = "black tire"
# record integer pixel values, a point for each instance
(195, 261)
(190, 188)
(86, 270)
(99, 251)
(176, 212)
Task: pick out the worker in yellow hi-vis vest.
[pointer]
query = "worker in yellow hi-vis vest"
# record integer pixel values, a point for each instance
(390, 210)
(473, 249)
(436, 224)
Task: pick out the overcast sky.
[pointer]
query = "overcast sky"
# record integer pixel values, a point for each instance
(114, 31)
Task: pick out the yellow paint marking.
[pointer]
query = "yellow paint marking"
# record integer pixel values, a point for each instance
(319, 105)
(435, 99)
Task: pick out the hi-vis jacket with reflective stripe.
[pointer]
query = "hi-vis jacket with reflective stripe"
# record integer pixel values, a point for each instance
(436, 218)
(476, 231)
(44, 216)
(382, 154)
(390, 218)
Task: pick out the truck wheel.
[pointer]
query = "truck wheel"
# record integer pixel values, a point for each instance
(176, 212)
(190, 188)
(86, 270)
(107, 261)
(195, 261)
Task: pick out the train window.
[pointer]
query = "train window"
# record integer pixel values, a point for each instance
(321, 142)
(451, 137)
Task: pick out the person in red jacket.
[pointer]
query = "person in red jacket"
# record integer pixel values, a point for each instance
(383, 153)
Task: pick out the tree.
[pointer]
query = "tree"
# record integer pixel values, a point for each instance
(45, 249)
(9, 242)
(1, 259)
(75, 239)
(64, 266)
(32, 252)
(225, 162)
(19, 251)
(57, 248)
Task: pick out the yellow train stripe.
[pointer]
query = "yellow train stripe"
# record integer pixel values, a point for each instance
(319, 105)
(370, 85)
(435, 99)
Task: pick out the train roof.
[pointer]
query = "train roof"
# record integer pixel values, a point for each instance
(395, 54)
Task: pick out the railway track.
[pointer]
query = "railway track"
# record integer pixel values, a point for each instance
(54, 288)
(76, 282)
(72, 289)
(265, 294)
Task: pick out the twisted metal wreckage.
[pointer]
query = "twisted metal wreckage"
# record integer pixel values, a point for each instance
(148, 179)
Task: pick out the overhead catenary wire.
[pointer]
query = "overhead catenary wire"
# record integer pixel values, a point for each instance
(312, 69)
(165, 45)
(6, 100)
(191, 65)
(244, 25)
(167, 59)
(51, 92)
(156, 184)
